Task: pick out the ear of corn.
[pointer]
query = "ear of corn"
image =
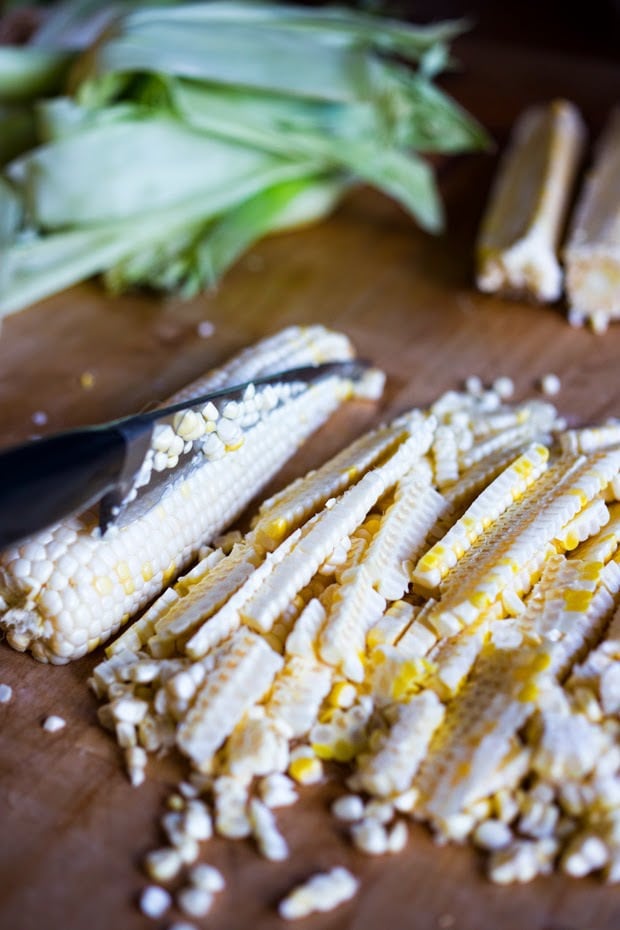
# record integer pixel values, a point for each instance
(66, 590)
(516, 249)
(592, 253)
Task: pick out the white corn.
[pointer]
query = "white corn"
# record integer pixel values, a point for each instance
(68, 589)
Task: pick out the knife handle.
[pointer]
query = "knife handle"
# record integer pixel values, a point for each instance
(50, 478)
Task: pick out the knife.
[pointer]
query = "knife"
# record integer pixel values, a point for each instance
(57, 476)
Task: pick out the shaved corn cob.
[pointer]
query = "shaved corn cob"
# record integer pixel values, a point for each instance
(499, 494)
(592, 253)
(243, 674)
(67, 590)
(454, 699)
(520, 232)
(390, 768)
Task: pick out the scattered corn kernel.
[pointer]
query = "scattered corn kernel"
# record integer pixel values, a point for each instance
(323, 892)
(195, 902)
(154, 901)
(550, 385)
(349, 807)
(207, 877)
(6, 693)
(162, 865)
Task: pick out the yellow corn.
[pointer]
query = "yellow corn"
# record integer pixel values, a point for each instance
(66, 590)
(516, 250)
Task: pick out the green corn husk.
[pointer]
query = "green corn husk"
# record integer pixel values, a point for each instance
(195, 129)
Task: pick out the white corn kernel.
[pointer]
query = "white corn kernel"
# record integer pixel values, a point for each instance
(197, 820)
(370, 837)
(550, 385)
(492, 835)
(163, 865)
(270, 841)
(195, 902)
(504, 387)
(277, 790)
(585, 854)
(349, 807)
(207, 877)
(154, 901)
(6, 693)
(397, 837)
(323, 892)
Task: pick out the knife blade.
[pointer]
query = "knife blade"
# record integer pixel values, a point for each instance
(114, 464)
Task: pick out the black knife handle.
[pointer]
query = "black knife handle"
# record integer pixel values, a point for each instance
(50, 478)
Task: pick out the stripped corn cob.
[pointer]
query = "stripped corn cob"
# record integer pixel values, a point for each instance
(516, 249)
(68, 589)
(592, 253)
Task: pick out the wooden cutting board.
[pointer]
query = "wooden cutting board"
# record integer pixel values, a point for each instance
(72, 830)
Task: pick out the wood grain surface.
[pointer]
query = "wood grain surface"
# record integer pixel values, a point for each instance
(72, 830)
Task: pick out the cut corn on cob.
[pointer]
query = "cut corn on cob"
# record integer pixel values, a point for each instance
(306, 640)
(592, 253)
(68, 589)
(517, 245)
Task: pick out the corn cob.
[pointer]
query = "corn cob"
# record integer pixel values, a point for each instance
(516, 250)
(67, 590)
(592, 253)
